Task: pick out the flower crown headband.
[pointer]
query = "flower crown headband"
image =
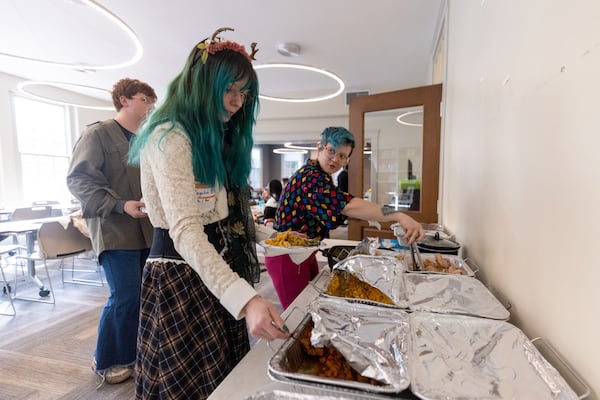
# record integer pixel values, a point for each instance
(216, 44)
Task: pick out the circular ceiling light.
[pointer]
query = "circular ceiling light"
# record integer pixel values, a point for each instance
(24, 86)
(290, 145)
(400, 118)
(285, 150)
(88, 67)
(328, 74)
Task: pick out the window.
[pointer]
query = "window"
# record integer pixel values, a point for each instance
(44, 149)
(256, 171)
(291, 162)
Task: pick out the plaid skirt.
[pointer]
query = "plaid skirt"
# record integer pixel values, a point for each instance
(187, 342)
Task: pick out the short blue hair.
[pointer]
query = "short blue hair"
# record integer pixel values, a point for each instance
(337, 136)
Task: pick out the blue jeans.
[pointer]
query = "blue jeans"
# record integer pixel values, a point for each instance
(118, 326)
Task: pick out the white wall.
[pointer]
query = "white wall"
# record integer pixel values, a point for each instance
(521, 186)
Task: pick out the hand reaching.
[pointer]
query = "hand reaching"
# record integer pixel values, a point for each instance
(263, 320)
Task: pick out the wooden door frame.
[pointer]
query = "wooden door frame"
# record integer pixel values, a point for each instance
(430, 98)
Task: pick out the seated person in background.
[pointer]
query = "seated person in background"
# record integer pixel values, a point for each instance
(273, 192)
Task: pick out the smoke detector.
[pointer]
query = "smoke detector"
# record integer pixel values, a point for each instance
(289, 49)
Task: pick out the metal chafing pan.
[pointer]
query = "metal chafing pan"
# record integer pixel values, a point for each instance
(371, 339)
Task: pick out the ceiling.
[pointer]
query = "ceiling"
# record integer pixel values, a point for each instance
(374, 46)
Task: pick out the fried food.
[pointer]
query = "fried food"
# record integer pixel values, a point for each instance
(346, 284)
(330, 363)
(291, 239)
(443, 265)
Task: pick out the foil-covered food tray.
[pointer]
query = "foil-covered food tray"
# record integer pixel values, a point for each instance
(462, 357)
(436, 263)
(442, 293)
(372, 341)
(383, 274)
(287, 389)
(279, 394)
(452, 294)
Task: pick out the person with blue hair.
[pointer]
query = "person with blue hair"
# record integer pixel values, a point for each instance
(198, 303)
(313, 205)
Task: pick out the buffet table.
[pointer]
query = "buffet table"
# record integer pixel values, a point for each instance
(489, 346)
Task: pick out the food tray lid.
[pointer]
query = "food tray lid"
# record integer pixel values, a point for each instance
(452, 294)
(461, 357)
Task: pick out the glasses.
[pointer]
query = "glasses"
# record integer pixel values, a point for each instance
(148, 100)
(332, 153)
(245, 94)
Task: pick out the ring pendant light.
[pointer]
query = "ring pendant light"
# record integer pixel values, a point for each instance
(112, 18)
(328, 74)
(400, 118)
(22, 87)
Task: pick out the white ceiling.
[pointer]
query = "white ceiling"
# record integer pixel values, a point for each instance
(377, 45)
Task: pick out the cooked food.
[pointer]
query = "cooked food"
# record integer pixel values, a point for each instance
(442, 264)
(346, 284)
(328, 362)
(290, 238)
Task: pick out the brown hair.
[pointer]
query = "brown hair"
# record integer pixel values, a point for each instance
(130, 87)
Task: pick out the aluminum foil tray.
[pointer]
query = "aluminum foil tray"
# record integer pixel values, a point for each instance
(442, 293)
(382, 272)
(278, 394)
(461, 357)
(452, 294)
(294, 390)
(456, 261)
(373, 340)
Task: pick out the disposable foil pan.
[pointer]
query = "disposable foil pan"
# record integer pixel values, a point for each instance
(450, 294)
(382, 272)
(461, 357)
(320, 391)
(373, 340)
(456, 261)
(280, 394)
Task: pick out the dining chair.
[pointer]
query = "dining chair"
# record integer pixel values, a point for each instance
(33, 212)
(6, 288)
(57, 242)
(54, 242)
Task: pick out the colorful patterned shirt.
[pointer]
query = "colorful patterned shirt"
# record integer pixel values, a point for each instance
(311, 203)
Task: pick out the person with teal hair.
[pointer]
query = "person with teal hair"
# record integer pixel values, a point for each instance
(312, 204)
(198, 303)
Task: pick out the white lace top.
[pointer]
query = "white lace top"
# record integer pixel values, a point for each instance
(176, 202)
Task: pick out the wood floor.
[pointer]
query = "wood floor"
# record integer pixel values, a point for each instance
(46, 349)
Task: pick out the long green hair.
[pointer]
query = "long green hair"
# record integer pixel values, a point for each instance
(194, 101)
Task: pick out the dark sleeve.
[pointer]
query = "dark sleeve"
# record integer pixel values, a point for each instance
(269, 212)
(343, 181)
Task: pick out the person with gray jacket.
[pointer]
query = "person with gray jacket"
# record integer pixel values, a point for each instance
(110, 194)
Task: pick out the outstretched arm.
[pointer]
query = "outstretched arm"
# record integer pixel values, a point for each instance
(368, 211)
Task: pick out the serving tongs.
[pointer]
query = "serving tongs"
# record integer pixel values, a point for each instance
(416, 258)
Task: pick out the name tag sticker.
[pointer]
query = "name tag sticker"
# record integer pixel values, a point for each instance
(204, 194)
